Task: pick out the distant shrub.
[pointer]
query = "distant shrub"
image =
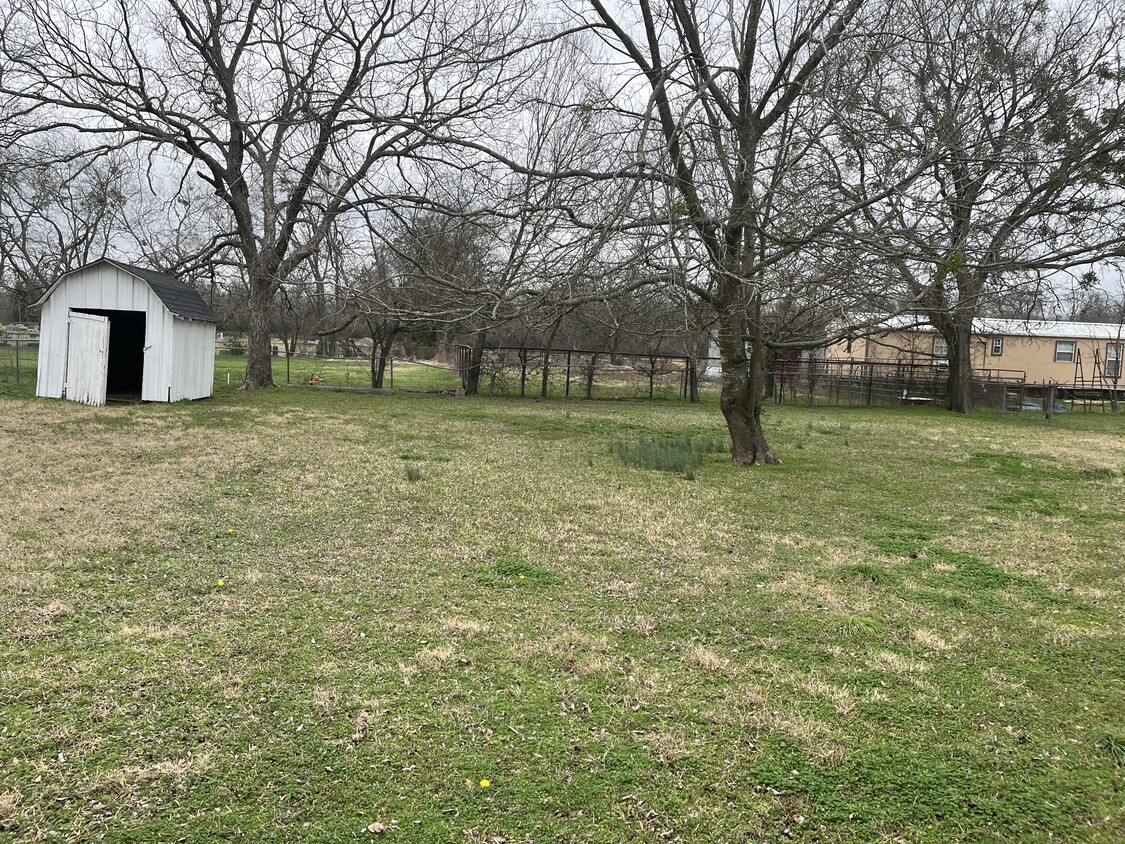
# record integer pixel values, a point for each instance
(682, 455)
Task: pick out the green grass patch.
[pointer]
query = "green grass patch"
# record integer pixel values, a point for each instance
(240, 619)
(682, 455)
(507, 573)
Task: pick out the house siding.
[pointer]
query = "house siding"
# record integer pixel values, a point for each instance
(1034, 356)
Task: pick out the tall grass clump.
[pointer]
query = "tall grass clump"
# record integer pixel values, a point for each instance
(682, 455)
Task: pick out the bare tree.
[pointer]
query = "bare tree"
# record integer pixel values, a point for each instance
(292, 114)
(739, 102)
(55, 217)
(1024, 104)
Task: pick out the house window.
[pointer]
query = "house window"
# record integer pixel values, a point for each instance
(941, 351)
(997, 346)
(1113, 355)
(1064, 351)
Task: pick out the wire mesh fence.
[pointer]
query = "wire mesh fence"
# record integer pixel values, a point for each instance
(19, 357)
(528, 372)
(350, 373)
(594, 375)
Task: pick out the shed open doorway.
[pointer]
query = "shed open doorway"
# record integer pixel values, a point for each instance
(125, 373)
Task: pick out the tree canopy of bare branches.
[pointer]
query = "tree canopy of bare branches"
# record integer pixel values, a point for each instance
(292, 113)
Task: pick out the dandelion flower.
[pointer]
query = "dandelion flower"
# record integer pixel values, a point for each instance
(230, 530)
(522, 576)
(485, 783)
(221, 583)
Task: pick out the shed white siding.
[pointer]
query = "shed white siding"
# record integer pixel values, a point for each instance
(178, 353)
(193, 359)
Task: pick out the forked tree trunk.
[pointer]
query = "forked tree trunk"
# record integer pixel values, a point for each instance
(959, 397)
(379, 365)
(259, 360)
(743, 386)
(382, 341)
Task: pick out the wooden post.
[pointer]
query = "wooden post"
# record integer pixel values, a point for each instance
(1049, 400)
(567, 393)
(392, 361)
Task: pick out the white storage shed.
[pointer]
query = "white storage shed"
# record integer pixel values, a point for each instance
(111, 330)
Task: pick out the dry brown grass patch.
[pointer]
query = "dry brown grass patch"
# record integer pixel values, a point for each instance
(842, 700)
(464, 627)
(434, 659)
(670, 746)
(930, 640)
(149, 632)
(895, 663)
(596, 665)
(54, 610)
(29, 582)
(325, 700)
(122, 781)
(705, 658)
(9, 802)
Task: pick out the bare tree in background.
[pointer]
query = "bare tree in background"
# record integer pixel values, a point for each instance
(1024, 104)
(55, 217)
(292, 113)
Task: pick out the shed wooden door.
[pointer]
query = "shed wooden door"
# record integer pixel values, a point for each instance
(87, 358)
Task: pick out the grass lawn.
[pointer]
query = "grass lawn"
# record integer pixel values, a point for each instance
(296, 615)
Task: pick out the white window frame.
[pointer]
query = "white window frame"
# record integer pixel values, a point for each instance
(1072, 351)
(1114, 352)
(943, 353)
(997, 346)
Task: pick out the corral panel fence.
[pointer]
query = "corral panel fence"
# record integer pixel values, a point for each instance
(868, 383)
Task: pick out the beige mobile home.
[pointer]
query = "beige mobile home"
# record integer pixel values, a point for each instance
(1081, 354)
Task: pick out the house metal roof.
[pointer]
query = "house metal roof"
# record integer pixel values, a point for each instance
(181, 299)
(991, 326)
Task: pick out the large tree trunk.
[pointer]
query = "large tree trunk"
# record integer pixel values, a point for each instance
(743, 385)
(259, 362)
(472, 378)
(959, 397)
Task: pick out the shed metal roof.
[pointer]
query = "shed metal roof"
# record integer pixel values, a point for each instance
(181, 299)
